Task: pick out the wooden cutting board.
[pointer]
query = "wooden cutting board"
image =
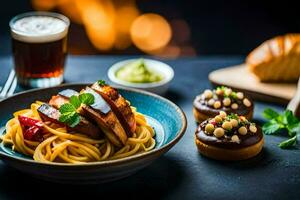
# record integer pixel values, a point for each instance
(239, 78)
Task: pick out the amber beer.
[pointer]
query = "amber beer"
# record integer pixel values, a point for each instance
(39, 44)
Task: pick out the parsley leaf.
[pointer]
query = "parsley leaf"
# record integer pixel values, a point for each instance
(270, 114)
(293, 129)
(271, 127)
(285, 121)
(289, 118)
(288, 143)
(86, 98)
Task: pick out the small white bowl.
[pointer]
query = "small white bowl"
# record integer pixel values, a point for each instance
(157, 87)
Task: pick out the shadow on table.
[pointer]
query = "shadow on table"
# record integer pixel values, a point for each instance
(261, 160)
(174, 96)
(154, 182)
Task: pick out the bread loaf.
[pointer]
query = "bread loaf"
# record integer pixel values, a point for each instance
(277, 59)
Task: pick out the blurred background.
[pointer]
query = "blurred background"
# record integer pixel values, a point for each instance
(165, 28)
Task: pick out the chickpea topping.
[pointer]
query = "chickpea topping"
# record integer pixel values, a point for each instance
(218, 132)
(217, 104)
(228, 91)
(209, 128)
(219, 91)
(242, 130)
(211, 102)
(234, 106)
(218, 118)
(253, 128)
(234, 122)
(208, 94)
(246, 102)
(242, 118)
(235, 138)
(240, 95)
(227, 125)
(226, 101)
(222, 114)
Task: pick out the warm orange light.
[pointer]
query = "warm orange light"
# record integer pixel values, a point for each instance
(125, 15)
(150, 32)
(169, 51)
(69, 8)
(43, 4)
(98, 18)
(117, 24)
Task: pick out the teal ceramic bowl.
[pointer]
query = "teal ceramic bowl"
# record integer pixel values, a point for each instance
(167, 119)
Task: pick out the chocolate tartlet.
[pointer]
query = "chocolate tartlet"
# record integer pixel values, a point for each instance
(211, 102)
(229, 137)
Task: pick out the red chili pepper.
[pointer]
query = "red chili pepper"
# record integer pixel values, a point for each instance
(32, 128)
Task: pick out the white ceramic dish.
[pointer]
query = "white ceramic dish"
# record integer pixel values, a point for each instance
(158, 87)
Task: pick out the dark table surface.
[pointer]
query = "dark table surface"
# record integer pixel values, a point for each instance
(181, 173)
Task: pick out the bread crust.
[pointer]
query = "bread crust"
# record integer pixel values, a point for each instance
(229, 154)
(277, 59)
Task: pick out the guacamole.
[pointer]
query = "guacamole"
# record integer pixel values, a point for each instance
(138, 72)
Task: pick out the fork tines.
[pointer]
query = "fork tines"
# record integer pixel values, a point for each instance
(9, 86)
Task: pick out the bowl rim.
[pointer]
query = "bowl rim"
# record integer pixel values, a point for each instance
(112, 76)
(120, 161)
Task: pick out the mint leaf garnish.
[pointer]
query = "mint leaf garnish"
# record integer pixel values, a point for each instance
(101, 82)
(68, 111)
(66, 108)
(74, 120)
(86, 98)
(74, 100)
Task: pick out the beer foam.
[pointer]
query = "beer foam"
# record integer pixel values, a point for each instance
(39, 29)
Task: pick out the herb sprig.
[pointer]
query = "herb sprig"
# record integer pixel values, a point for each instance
(68, 111)
(282, 122)
(101, 82)
(223, 89)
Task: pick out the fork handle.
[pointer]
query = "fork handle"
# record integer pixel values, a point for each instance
(294, 104)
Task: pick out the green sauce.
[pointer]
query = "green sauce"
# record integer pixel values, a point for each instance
(138, 72)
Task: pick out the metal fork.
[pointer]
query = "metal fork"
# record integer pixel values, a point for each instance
(9, 86)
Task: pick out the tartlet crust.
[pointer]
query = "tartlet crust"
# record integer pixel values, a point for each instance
(229, 154)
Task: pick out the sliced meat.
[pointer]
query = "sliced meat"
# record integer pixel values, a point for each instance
(57, 101)
(68, 93)
(101, 113)
(62, 98)
(49, 113)
(119, 105)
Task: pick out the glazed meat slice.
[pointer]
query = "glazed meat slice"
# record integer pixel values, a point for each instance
(68, 93)
(62, 98)
(119, 105)
(49, 113)
(101, 113)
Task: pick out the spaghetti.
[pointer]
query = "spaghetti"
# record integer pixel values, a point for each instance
(59, 145)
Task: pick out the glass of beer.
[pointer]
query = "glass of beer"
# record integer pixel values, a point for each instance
(39, 44)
